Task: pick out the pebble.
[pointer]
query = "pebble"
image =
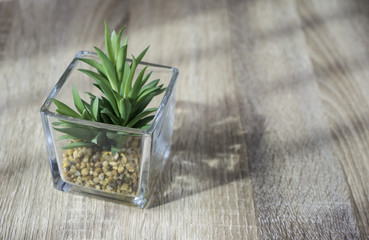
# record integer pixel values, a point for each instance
(124, 157)
(84, 172)
(75, 154)
(131, 167)
(112, 164)
(124, 187)
(95, 157)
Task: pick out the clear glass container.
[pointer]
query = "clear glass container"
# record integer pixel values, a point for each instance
(128, 175)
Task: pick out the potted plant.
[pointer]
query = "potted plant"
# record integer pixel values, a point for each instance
(108, 125)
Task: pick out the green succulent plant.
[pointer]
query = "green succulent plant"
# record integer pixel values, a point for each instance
(123, 102)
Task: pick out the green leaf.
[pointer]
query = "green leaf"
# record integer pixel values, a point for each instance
(94, 64)
(99, 138)
(119, 139)
(106, 119)
(125, 108)
(117, 96)
(65, 137)
(121, 59)
(64, 109)
(77, 144)
(120, 34)
(108, 92)
(77, 100)
(108, 44)
(86, 115)
(149, 85)
(97, 77)
(152, 90)
(82, 133)
(128, 81)
(113, 118)
(140, 116)
(145, 127)
(115, 44)
(137, 85)
(122, 109)
(107, 104)
(135, 62)
(109, 69)
(142, 54)
(144, 80)
(126, 73)
(128, 107)
(139, 106)
(143, 123)
(95, 109)
(92, 99)
(88, 107)
(115, 135)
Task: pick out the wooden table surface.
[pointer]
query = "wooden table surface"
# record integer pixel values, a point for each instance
(272, 120)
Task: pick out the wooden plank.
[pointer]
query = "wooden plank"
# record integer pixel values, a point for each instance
(300, 189)
(337, 43)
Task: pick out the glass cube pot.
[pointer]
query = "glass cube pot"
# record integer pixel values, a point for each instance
(128, 174)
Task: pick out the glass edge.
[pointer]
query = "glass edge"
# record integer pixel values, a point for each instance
(45, 106)
(107, 126)
(165, 99)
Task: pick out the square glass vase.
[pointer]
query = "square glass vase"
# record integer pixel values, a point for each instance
(128, 173)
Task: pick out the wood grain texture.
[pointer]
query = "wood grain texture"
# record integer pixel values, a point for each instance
(299, 189)
(343, 82)
(272, 130)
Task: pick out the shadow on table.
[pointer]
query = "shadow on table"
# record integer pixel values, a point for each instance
(208, 150)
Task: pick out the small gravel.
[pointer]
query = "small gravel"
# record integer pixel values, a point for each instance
(98, 169)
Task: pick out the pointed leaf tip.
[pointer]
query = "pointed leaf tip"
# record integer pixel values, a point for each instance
(108, 44)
